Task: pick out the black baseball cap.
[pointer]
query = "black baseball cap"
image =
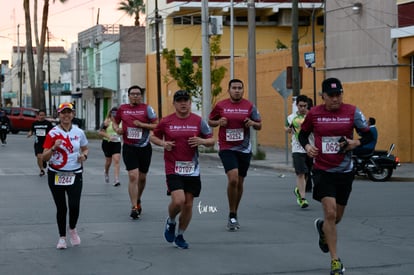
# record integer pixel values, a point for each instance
(181, 94)
(332, 86)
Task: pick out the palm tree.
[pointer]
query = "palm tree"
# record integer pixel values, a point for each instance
(132, 8)
(36, 78)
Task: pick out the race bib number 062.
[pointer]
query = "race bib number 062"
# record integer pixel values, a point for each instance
(330, 145)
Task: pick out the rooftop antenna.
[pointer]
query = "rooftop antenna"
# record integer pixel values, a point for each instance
(97, 16)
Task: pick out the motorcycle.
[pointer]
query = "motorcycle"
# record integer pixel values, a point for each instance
(377, 166)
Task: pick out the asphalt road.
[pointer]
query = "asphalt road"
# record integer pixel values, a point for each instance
(376, 235)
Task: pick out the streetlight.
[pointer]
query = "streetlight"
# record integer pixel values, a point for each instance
(357, 7)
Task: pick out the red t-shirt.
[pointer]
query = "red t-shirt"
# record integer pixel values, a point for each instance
(328, 127)
(182, 159)
(127, 113)
(235, 136)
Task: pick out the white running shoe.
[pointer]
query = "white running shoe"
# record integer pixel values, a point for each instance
(74, 237)
(61, 243)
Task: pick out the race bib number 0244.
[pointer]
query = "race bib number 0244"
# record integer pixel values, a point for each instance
(64, 179)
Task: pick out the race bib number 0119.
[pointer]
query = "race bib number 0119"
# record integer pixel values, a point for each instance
(330, 145)
(64, 179)
(234, 134)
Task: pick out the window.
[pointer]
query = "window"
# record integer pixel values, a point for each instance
(412, 71)
(98, 62)
(187, 20)
(15, 111)
(29, 113)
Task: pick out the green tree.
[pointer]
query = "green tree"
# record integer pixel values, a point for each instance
(190, 77)
(36, 78)
(132, 8)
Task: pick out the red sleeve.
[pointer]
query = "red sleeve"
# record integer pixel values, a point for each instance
(215, 113)
(48, 142)
(158, 130)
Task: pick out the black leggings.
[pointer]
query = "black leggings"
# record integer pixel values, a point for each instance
(59, 196)
(3, 135)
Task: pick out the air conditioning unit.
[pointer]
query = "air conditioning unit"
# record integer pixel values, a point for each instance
(215, 26)
(285, 18)
(98, 39)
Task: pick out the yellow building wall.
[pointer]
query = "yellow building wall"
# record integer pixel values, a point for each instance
(405, 97)
(390, 102)
(182, 36)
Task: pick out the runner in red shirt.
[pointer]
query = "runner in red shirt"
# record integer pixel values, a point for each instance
(235, 116)
(137, 120)
(332, 124)
(180, 134)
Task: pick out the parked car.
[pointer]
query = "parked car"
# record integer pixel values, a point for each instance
(22, 118)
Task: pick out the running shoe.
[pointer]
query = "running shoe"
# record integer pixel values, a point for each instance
(322, 242)
(169, 232)
(337, 268)
(139, 208)
(74, 237)
(304, 203)
(233, 224)
(180, 242)
(42, 173)
(117, 183)
(106, 178)
(298, 196)
(134, 213)
(61, 243)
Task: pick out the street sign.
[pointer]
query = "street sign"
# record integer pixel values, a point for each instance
(280, 85)
(310, 59)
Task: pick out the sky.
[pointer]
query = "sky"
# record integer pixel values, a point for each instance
(65, 21)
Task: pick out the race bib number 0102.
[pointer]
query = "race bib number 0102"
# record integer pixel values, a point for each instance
(64, 179)
(330, 145)
(234, 134)
(184, 167)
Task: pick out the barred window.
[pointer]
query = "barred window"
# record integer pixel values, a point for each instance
(412, 70)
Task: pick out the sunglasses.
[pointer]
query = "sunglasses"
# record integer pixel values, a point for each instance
(65, 105)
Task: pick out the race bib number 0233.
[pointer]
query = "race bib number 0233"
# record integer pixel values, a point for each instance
(330, 145)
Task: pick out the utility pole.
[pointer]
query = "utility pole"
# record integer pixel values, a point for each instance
(231, 40)
(206, 60)
(314, 54)
(158, 61)
(48, 74)
(295, 49)
(251, 49)
(20, 64)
